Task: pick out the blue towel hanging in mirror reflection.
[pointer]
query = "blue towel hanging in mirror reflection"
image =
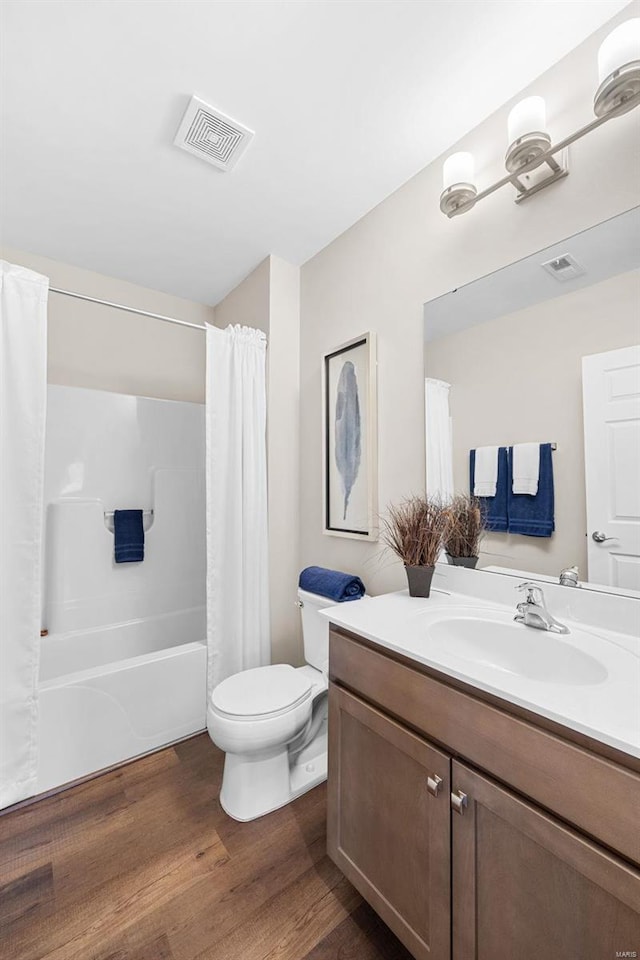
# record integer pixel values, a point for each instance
(533, 516)
(128, 535)
(521, 513)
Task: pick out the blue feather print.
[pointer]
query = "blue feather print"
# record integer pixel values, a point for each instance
(348, 430)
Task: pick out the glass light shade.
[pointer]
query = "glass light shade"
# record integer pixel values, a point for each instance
(528, 116)
(458, 168)
(622, 46)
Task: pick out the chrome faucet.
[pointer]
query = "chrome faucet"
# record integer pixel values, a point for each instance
(532, 611)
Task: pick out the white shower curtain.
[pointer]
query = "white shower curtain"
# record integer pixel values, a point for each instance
(23, 384)
(439, 449)
(237, 545)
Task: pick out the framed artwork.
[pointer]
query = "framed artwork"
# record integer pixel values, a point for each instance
(350, 439)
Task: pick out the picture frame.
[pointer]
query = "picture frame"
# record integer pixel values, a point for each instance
(349, 429)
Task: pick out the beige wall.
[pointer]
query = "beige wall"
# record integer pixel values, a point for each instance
(269, 298)
(501, 396)
(378, 274)
(248, 303)
(106, 349)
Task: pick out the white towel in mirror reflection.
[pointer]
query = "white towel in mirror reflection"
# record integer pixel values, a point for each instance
(485, 478)
(526, 468)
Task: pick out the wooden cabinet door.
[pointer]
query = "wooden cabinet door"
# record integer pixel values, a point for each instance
(527, 887)
(387, 831)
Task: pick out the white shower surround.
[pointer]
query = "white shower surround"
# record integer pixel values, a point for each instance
(123, 667)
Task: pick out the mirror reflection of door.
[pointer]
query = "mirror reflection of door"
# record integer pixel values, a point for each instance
(611, 403)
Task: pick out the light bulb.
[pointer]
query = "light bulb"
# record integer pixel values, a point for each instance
(528, 137)
(619, 70)
(459, 190)
(621, 47)
(528, 116)
(458, 168)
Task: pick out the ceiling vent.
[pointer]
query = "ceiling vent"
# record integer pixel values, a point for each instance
(564, 267)
(212, 136)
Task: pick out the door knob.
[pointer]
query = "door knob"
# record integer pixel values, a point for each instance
(433, 784)
(459, 801)
(601, 537)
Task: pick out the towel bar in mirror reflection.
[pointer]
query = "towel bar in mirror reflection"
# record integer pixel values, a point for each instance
(554, 446)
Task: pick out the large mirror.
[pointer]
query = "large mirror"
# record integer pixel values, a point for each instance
(545, 351)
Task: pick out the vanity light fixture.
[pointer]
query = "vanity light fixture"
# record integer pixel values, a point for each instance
(532, 161)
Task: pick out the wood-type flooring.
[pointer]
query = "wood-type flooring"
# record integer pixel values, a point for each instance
(142, 863)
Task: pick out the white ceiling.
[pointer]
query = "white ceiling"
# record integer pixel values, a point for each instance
(348, 99)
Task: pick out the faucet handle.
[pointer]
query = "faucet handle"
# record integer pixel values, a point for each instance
(569, 577)
(534, 592)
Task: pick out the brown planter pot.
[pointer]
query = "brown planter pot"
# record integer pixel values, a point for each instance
(419, 580)
(469, 562)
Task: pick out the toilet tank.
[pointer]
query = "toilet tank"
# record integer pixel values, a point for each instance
(315, 629)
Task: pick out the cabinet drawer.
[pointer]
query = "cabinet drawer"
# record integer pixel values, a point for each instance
(600, 797)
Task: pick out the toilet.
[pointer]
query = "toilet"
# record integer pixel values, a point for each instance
(272, 724)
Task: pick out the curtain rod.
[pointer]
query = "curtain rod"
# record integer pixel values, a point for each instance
(121, 306)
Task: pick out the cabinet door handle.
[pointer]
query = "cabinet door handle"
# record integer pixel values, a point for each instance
(459, 801)
(433, 784)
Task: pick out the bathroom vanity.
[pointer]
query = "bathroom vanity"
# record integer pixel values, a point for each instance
(486, 809)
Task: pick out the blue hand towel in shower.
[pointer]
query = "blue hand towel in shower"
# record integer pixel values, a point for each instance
(494, 509)
(534, 516)
(332, 584)
(128, 535)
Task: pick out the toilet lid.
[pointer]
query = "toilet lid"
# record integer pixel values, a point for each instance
(261, 691)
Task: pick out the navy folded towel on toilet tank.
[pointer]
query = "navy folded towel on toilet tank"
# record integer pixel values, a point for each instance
(128, 535)
(331, 584)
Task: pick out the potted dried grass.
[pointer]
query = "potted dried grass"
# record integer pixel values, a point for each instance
(464, 531)
(414, 530)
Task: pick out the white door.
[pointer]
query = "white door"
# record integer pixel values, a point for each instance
(611, 403)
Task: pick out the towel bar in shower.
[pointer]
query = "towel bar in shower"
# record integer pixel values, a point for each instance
(108, 514)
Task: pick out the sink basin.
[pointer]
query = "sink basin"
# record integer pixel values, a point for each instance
(515, 649)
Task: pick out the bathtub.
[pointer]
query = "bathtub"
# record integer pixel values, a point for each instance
(112, 693)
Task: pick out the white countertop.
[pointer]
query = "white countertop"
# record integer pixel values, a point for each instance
(607, 710)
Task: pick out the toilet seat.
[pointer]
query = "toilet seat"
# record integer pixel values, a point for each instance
(261, 693)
